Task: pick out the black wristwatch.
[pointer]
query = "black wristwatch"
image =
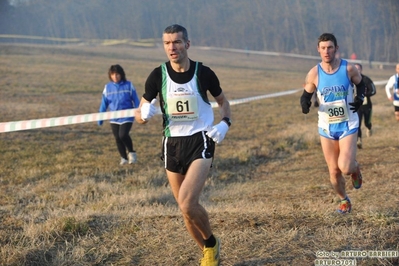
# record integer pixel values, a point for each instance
(227, 120)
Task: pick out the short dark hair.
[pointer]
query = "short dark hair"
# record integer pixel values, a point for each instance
(327, 37)
(175, 28)
(116, 69)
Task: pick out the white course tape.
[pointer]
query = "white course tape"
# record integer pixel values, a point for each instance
(381, 82)
(85, 118)
(250, 99)
(64, 120)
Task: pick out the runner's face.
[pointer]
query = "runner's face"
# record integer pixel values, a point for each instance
(327, 51)
(175, 47)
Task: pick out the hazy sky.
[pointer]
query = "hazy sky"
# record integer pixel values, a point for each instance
(17, 2)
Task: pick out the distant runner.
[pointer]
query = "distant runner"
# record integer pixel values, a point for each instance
(366, 110)
(392, 90)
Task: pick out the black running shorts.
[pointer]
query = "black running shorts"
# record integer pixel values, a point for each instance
(179, 152)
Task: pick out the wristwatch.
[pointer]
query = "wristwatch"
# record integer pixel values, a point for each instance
(227, 120)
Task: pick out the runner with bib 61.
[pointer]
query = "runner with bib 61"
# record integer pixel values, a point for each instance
(189, 131)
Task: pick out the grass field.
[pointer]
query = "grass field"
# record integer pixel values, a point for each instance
(64, 199)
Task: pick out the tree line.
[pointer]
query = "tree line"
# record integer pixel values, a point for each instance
(368, 28)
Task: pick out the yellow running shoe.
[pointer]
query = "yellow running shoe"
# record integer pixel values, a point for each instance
(211, 255)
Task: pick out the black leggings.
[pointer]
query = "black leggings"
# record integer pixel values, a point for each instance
(366, 111)
(122, 138)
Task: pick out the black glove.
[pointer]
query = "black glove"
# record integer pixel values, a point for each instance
(356, 104)
(305, 101)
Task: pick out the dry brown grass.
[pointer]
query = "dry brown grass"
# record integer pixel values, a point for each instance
(64, 199)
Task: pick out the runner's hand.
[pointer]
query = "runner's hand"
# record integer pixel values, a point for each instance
(148, 110)
(356, 104)
(305, 105)
(218, 132)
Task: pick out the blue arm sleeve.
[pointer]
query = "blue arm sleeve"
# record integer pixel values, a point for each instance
(104, 104)
(103, 108)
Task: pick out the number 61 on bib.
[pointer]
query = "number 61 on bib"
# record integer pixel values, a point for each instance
(182, 106)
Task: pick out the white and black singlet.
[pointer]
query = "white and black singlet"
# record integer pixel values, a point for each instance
(183, 97)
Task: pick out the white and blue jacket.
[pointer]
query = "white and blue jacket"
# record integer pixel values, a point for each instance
(119, 96)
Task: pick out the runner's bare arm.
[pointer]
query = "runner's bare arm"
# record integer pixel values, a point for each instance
(311, 80)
